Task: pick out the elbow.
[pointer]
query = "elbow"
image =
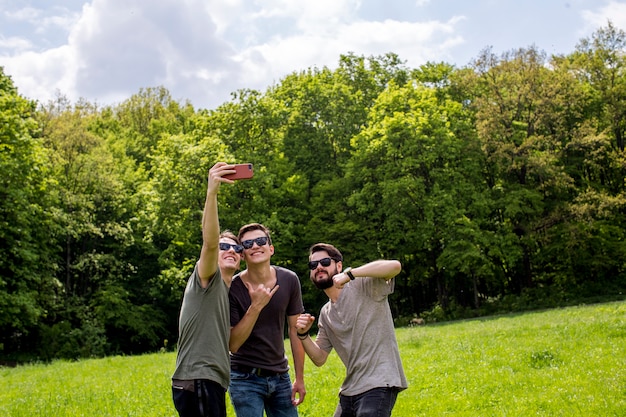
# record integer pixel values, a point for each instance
(319, 358)
(233, 344)
(395, 268)
(382, 268)
(233, 347)
(318, 362)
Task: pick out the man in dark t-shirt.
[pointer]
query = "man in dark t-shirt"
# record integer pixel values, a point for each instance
(262, 298)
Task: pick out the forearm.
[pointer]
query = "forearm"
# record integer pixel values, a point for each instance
(242, 330)
(207, 264)
(384, 269)
(297, 351)
(317, 355)
(210, 220)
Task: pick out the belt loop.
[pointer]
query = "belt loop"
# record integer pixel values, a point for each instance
(200, 394)
(184, 384)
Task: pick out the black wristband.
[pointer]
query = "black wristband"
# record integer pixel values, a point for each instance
(302, 336)
(349, 273)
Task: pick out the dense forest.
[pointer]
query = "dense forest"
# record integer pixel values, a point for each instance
(500, 186)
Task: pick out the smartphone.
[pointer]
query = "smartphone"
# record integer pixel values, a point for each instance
(243, 172)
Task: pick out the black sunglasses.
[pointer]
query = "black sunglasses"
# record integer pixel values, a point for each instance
(226, 246)
(324, 261)
(260, 241)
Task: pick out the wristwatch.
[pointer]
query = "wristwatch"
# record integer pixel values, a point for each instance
(349, 274)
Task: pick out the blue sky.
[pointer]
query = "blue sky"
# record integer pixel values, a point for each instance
(202, 50)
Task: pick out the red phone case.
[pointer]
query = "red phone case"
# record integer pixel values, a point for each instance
(243, 172)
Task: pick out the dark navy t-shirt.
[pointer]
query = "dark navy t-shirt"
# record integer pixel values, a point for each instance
(265, 347)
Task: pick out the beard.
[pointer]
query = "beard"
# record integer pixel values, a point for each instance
(325, 282)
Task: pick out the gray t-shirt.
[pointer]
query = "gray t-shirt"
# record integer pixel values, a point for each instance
(359, 326)
(204, 329)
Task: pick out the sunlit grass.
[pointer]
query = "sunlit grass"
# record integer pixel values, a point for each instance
(564, 362)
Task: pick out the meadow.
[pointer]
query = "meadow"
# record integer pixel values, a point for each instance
(560, 362)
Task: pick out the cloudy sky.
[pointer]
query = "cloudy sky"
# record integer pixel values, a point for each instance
(202, 50)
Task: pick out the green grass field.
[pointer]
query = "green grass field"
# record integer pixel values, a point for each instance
(562, 362)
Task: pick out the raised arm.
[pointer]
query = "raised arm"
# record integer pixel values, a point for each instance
(207, 264)
(385, 269)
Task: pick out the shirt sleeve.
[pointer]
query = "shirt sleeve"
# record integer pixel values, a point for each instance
(322, 339)
(376, 288)
(237, 305)
(296, 306)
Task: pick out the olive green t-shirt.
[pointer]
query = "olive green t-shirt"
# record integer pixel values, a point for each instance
(203, 331)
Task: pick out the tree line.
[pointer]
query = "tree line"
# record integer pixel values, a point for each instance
(499, 186)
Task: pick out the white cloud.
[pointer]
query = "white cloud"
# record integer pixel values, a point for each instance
(15, 44)
(409, 40)
(202, 50)
(283, 54)
(44, 75)
(613, 11)
(225, 13)
(26, 14)
(41, 23)
(309, 13)
(124, 46)
(58, 22)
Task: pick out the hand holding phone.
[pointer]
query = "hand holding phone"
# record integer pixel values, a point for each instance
(242, 172)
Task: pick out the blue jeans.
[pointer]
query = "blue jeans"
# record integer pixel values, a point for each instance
(251, 394)
(377, 402)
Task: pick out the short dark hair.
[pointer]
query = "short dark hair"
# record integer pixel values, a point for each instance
(332, 251)
(254, 226)
(227, 234)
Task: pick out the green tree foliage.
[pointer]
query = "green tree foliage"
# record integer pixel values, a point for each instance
(409, 168)
(518, 102)
(600, 61)
(27, 259)
(321, 111)
(146, 118)
(101, 300)
(499, 186)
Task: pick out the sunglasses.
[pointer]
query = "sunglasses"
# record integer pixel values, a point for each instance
(324, 261)
(260, 241)
(226, 246)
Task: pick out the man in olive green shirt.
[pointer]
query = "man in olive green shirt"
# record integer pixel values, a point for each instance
(202, 372)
